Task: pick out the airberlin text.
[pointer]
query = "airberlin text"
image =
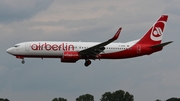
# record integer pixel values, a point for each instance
(53, 47)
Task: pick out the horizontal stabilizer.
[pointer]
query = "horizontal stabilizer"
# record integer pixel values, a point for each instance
(161, 45)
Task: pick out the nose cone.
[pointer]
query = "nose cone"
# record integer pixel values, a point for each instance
(9, 50)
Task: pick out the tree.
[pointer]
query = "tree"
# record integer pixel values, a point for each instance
(86, 97)
(59, 99)
(128, 97)
(1, 99)
(173, 99)
(119, 95)
(108, 96)
(6, 100)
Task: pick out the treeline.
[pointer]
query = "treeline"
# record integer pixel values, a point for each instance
(118, 95)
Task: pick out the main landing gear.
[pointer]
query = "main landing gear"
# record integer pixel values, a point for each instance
(22, 61)
(87, 62)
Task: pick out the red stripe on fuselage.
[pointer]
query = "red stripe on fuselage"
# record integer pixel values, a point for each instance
(129, 53)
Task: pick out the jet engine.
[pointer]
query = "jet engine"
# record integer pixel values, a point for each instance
(70, 56)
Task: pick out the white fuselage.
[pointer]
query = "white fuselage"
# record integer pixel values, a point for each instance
(54, 48)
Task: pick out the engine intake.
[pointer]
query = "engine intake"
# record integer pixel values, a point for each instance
(70, 56)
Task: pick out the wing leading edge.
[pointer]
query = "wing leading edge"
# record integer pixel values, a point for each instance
(95, 50)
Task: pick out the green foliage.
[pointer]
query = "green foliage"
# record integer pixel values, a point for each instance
(108, 96)
(86, 97)
(173, 99)
(59, 99)
(1, 99)
(119, 95)
(6, 100)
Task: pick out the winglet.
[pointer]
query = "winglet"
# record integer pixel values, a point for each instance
(117, 34)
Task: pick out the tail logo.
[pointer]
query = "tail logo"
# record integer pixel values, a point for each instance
(157, 31)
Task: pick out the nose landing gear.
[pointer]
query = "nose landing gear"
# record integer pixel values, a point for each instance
(87, 62)
(21, 57)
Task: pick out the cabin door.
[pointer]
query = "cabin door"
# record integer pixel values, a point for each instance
(138, 49)
(27, 47)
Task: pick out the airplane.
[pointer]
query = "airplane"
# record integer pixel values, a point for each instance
(71, 52)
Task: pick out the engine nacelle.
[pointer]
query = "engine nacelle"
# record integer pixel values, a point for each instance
(70, 56)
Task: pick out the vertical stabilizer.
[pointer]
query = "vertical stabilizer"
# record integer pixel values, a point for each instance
(155, 33)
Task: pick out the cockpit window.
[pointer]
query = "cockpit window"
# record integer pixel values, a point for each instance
(16, 45)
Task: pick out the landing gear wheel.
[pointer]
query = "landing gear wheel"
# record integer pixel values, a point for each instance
(23, 61)
(87, 63)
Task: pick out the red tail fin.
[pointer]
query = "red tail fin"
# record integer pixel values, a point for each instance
(155, 33)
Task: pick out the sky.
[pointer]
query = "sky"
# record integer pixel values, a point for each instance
(147, 78)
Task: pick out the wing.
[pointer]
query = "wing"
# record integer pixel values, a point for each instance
(95, 50)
